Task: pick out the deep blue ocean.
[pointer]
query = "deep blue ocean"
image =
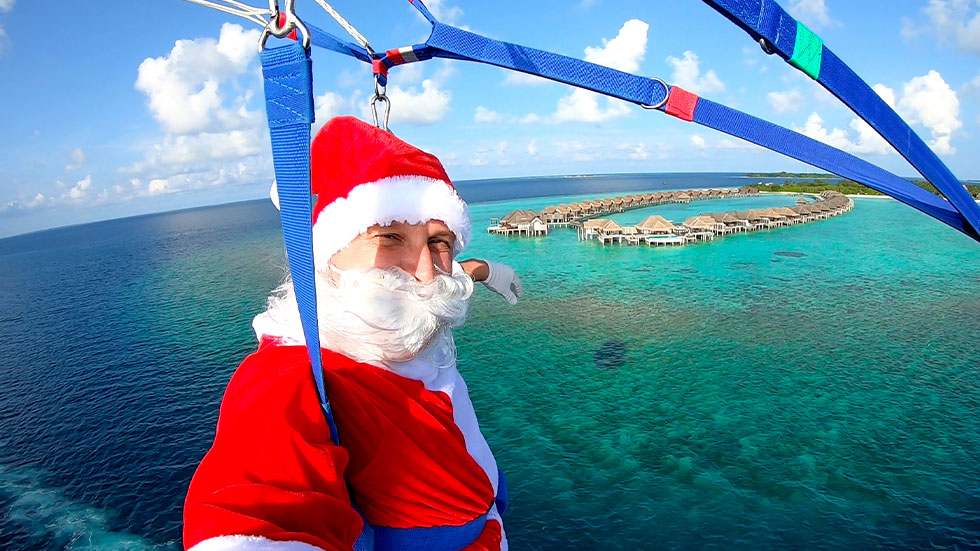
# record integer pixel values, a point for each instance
(813, 387)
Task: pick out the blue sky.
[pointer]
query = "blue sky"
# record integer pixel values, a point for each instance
(141, 107)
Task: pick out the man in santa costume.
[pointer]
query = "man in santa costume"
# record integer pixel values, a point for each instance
(412, 470)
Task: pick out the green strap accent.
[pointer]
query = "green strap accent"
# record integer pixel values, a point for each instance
(807, 52)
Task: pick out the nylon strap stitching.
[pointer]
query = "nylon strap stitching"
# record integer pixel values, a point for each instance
(807, 52)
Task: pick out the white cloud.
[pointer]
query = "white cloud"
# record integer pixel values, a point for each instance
(956, 21)
(532, 148)
(639, 152)
(623, 53)
(179, 153)
(785, 102)
(626, 51)
(867, 140)
(724, 144)
(929, 101)
(501, 148)
(412, 106)
(530, 118)
(813, 13)
(6, 5)
(885, 93)
(81, 188)
(330, 105)
(443, 12)
(3, 40)
(583, 106)
(577, 151)
(159, 186)
(243, 172)
(687, 75)
(38, 200)
(925, 100)
(76, 160)
(484, 115)
(185, 87)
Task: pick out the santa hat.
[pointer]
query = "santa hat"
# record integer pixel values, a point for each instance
(364, 176)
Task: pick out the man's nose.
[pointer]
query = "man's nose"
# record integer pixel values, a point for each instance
(425, 269)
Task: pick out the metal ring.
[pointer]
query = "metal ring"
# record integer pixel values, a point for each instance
(766, 46)
(662, 102)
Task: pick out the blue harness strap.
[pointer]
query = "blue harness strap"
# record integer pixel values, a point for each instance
(791, 40)
(288, 81)
(781, 34)
(804, 148)
(288, 86)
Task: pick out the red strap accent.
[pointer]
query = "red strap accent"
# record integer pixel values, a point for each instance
(395, 56)
(378, 67)
(282, 21)
(681, 103)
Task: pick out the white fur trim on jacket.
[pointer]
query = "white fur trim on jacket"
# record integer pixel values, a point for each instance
(410, 199)
(251, 543)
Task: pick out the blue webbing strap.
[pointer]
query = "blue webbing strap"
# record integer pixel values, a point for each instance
(766, 19)
(456, 43)
(288, 82)
(761, 19)
(798, 146)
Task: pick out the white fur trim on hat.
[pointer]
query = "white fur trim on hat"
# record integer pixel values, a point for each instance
(251, 543)
(409, 199)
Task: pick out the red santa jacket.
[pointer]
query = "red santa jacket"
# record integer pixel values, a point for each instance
(273, 478)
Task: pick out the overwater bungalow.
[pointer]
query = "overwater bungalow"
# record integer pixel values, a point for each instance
(655, 225)
(732, 223)
(602, 229)
(703, 227)
(791, 215)
(520, 222)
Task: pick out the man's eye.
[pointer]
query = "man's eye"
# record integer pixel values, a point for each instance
(440, 244)
(390, 237)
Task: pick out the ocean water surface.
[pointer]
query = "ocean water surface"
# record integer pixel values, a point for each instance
(808, 387)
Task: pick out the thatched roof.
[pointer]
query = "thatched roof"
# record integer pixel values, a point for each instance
(726, 217)
(520, 217)
(701, 221)
(604, 224)
(802, 201)
(655, 224)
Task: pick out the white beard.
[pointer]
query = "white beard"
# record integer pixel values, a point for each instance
(376, 316)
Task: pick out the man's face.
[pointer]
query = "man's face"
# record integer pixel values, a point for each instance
(418, 249)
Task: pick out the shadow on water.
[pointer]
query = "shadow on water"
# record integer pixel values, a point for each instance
(611, 354)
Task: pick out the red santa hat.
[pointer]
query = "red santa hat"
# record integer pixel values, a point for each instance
(364, 176)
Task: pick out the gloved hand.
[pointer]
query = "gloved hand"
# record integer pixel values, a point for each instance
(503, 281)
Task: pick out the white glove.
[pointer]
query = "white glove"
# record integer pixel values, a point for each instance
(503, 281)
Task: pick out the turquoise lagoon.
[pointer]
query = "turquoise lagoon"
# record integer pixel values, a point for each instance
(816, 386)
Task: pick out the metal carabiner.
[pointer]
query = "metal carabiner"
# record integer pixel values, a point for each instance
(380, 97)
(291, 23)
